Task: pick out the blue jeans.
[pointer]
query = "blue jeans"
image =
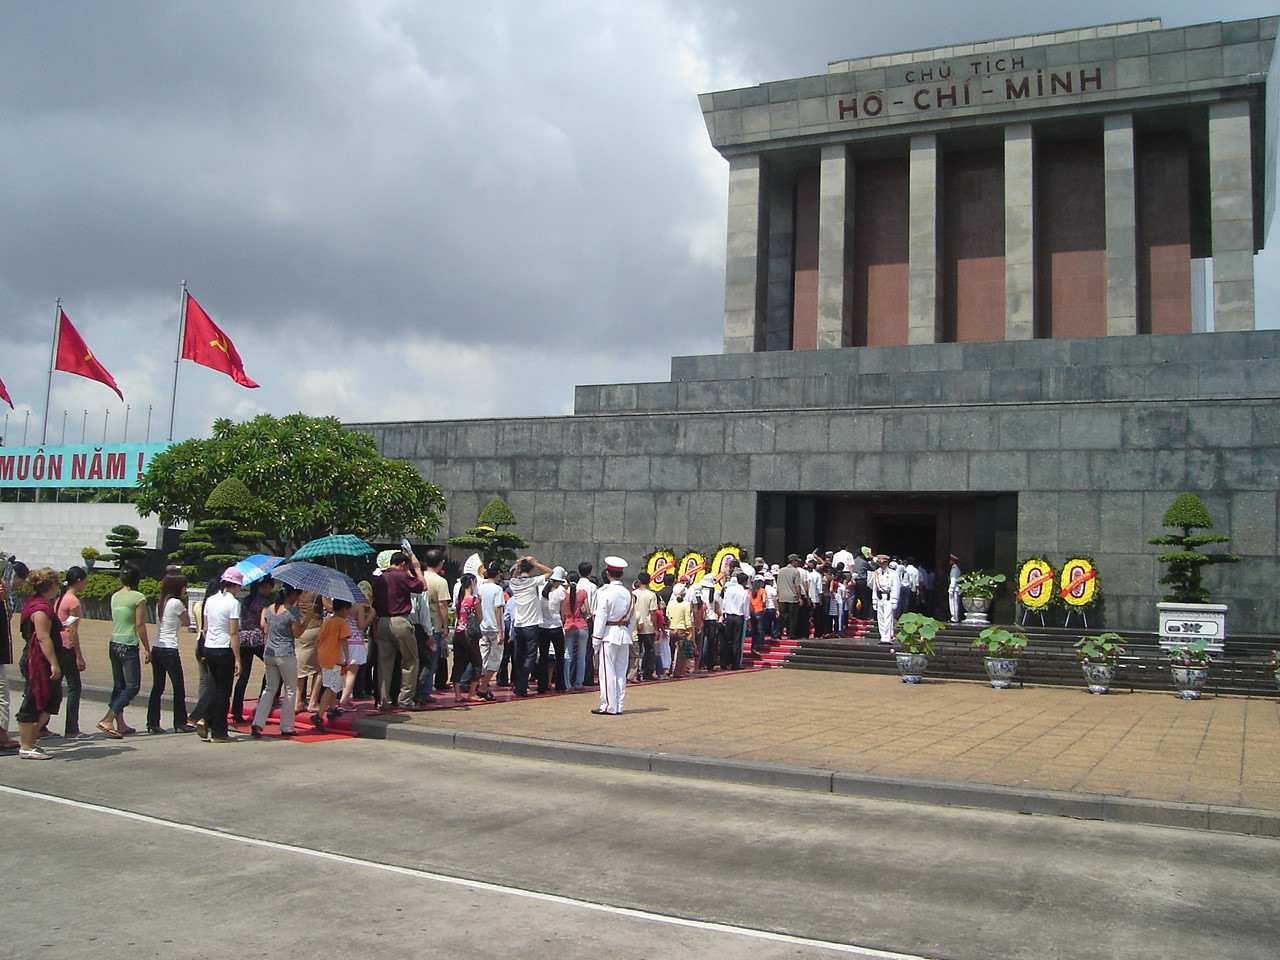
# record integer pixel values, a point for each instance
(575, 657)
(126, 675)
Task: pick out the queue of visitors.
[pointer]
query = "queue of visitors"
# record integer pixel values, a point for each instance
(529, 632)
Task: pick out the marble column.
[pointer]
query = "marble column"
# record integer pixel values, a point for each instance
(1019, 233)
(1122, 224)
(746, 262)
(924, 243)
(835, 248)
(1231, 213)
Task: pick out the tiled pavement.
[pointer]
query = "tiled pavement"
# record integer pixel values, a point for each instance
(1144, 746)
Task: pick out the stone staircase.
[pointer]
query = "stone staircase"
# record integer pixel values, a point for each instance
(1049, 658)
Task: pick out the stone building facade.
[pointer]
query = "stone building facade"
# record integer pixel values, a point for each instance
(931, 348)
(1034, 187)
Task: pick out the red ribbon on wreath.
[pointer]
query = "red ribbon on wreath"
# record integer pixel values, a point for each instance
(1079, 581)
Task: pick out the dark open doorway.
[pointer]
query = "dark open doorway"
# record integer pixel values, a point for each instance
(906, 535)
(982, 529)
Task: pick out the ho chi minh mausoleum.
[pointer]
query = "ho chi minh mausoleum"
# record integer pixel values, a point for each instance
(994, 299)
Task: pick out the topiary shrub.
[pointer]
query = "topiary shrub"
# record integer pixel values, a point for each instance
(1185, 565)
(486, 536)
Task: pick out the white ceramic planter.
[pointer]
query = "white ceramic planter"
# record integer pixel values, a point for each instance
(1183, 622)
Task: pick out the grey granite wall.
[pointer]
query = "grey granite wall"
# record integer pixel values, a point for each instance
(1096, 435)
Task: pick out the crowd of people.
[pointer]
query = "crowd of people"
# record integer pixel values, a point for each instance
(530, 628)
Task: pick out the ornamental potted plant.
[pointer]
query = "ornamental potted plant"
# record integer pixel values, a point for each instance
(1001, 647)
(1186, 611)
(1098, 656)
(1189, 667)
(914, 633)
(977, 588)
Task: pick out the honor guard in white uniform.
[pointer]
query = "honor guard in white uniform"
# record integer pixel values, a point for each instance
(953, 589)
(885, 585)
(611, 636)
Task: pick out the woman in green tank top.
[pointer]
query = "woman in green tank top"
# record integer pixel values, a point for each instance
(128, 632)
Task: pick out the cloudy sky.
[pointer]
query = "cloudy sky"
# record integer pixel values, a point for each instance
(400, 209)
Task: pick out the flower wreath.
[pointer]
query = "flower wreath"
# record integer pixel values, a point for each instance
(1080, 584)
(1036, 583)
(692, 567)
(719, 566)
(661, 567)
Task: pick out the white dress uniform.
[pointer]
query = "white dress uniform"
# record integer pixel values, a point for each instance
(953, 591)
(885, 585)
(611, 637)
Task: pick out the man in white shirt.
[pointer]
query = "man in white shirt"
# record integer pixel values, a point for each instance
(526, 588)
(611, 636)
(736, 607)
(843, 557)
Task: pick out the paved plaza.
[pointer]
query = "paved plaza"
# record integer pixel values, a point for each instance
(1222, 751)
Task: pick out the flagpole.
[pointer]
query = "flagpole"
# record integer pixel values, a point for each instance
(53, 358)
(177, 360)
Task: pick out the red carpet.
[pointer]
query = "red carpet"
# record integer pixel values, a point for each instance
(340, 728)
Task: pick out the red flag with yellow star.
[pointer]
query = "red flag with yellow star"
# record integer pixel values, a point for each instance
(75, 357)
(208, 346)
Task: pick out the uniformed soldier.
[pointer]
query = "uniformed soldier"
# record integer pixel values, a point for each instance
(611, 636)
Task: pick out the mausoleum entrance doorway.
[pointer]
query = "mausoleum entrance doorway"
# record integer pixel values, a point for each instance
(981, 529)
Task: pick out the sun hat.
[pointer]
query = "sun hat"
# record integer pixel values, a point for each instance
(232, 575)
(384, 559)
(558, 575)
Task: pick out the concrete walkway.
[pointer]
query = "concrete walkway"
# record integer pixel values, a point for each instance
(1144, 757)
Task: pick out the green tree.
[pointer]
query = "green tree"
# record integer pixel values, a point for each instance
(307, 476)
(221, 538)
(488, 538)
(123, 545)
(1186, 564)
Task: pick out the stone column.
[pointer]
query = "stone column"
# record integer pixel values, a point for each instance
(835, 232)
(746, 264)
(1019, 233)
(1122, 224)
(924, 240)
(1231, 211)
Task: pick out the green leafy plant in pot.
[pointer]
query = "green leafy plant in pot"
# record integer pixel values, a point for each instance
(1189, 667)
(977, 590)
(1098, 657)
(914, 633)
(1001, 647)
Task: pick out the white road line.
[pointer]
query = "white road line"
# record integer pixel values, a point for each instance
(867, 952)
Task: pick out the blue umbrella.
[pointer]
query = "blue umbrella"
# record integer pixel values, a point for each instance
(325, 581)
(339, 543)
(257, 566)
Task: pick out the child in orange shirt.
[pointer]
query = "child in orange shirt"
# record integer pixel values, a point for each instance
(332, 653)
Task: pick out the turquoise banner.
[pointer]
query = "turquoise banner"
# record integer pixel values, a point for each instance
(82, 465)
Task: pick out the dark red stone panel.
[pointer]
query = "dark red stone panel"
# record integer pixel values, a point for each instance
(881, 208)
(804, 310)
(973, 246)
(1164, 233)
(1072, 233)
